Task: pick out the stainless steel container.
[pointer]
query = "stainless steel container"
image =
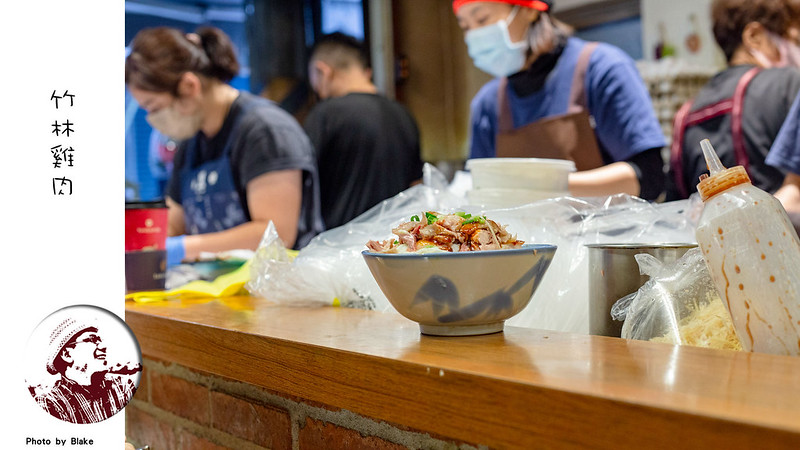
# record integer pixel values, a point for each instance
(614, 273)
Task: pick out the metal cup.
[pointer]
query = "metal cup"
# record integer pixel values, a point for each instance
(614, 273)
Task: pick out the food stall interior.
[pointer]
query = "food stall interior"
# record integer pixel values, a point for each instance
(308, 351)
(272, 36)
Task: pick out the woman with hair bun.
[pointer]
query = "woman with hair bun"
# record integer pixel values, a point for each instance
(557, 96)
(241, 161)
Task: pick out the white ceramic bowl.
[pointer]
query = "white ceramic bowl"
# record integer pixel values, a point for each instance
(462, 293)
(506, 198)
(548, 175)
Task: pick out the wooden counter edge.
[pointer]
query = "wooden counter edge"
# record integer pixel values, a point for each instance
(470, 407)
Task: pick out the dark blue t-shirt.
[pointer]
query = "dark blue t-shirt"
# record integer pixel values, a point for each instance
(263, 138)
(785, 151)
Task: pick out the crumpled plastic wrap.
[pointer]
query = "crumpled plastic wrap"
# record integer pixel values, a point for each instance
(679, 305)
(331, 270)
(562, 301)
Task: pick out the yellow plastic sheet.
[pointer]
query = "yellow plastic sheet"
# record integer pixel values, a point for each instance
(225, 285)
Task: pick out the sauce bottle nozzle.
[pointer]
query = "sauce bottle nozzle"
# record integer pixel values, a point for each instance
(719, 178)
(712, 160)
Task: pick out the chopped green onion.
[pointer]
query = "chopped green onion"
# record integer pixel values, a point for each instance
(431, 218)
(463, 214)
(479, 219)
(415, 218)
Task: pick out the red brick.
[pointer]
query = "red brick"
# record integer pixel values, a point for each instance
(317, 434)
(192, 442)
(143, 429)
(180, 397)
(142, 392)
(263, 425)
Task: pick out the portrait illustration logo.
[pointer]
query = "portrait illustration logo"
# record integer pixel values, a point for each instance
(84, 364)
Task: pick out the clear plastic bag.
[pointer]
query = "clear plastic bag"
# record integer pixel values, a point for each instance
(331, 270)
(679, 305)
(561, 302)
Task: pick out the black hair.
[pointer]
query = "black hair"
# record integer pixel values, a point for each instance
(160, 56)
(730, 17)
(340, 50)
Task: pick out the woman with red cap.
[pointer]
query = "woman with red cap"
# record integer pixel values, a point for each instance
(557, 96)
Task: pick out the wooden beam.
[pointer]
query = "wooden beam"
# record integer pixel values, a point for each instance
(598, 13)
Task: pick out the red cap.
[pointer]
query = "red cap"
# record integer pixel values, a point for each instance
(541, 5)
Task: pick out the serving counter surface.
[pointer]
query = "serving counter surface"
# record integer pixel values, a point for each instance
(520, 388)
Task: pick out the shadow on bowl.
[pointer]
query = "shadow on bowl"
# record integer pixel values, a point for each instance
(462, 293)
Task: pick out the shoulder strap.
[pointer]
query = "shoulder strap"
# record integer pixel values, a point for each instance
(676, 149)
(505, 121)
(577, 94)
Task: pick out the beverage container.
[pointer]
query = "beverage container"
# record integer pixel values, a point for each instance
(753, 254)
(145, 245)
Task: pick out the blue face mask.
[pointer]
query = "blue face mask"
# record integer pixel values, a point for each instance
(492, 51)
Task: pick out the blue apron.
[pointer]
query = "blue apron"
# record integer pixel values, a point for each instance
(210, 199)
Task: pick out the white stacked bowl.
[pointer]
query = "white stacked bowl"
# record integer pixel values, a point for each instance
(509, 182)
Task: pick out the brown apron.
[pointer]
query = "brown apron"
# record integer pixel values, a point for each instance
(566, 136)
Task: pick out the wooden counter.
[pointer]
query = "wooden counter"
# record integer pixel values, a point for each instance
(522, 388)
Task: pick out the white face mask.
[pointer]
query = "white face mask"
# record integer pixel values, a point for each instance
(789, 53)
(169, 122)
(492, 51)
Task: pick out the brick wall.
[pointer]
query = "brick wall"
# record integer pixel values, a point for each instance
(177, 408)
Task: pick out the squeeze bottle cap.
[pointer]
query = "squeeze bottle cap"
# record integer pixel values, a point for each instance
(720, 178)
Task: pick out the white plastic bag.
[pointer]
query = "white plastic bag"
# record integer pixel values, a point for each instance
(331, 269)
(679, 304)
(562, 301)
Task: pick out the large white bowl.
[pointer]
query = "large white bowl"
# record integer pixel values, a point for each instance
(506, 198)
(548, 175)
(462, 293)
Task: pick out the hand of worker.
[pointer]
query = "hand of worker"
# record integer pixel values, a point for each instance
(176, 250)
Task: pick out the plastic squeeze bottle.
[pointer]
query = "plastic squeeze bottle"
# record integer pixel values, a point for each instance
(753, 254)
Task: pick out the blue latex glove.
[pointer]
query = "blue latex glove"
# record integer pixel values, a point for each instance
(175, 250)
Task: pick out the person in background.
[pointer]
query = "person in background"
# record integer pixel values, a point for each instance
(557, 96)
(785, 155)
(367, 146)
(241, 162)
(741, 109)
